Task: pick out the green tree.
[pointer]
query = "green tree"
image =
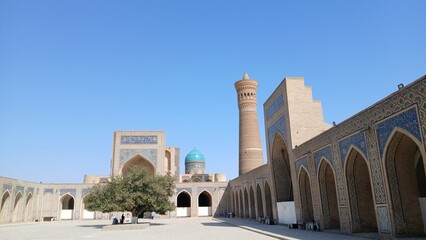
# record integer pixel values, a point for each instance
(137, 192)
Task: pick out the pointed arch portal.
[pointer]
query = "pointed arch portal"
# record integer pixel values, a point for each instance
(183, 208)
(204, 204)
(405, 170)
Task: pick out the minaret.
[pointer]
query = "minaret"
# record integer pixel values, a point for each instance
(250, 156)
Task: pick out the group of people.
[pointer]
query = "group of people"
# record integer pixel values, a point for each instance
(121, 221)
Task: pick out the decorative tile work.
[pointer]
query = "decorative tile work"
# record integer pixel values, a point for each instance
(179, 190)
(394, 186)
(209, 189)
(139, 139)
(67, 190)
(274, 107)
(406, 120)
(149, 154)
(85, 191)
(31, 190)
(383, 218)
(278, 126)
(302, 162)
(47, 191)
(323, 153)
(357, 140)
(375, 168)
(344, 219)
(7, 187)
(20, 188)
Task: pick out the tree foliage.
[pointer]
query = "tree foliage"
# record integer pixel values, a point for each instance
(137, 192)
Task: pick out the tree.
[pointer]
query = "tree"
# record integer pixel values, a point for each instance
(137, 192)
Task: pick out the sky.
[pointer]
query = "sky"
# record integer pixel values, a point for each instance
(73, 72)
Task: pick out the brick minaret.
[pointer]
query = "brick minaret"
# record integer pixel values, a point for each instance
(250, 156)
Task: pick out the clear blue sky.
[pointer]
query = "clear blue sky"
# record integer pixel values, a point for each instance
(72, 72)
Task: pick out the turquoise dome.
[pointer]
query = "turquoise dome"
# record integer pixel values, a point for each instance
(195, 156)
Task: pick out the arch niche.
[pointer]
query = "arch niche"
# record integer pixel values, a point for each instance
(259, 201)
(306, 196)
(5, 206)
(17, 208)
(240, 204)
(140, 162)
(183, 207)
(268, 201)
(67, 207)
(360, 193)
(86, 214)
(281, 170)
(246, 204)
(204, 204)
(327, 186)
(29, 207)
(252, 204)
(404, 161)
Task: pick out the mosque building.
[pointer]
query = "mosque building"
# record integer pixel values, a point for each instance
(366, 174)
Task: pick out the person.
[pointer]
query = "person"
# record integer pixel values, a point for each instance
(152, 214)
(122, 218)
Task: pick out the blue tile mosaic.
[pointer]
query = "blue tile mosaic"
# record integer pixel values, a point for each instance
(67, 190)
(278, 126)
(179, 190)
(20, 188)
(357, 140)
(274, 107)
(407, 120)
(149, 154)
(323, 153)
(47, 190)
(139, 140)
(301, 162)
(7, 187)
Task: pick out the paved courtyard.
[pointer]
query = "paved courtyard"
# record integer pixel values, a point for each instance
(179, 229)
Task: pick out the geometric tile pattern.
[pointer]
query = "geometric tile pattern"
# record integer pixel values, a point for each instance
(406, 120)
(149, 154)
(278, 126)
(139, 140)
(302, 162)
(274, 107)
(20, 188)
(178, 190)
(47, 190)
(357, 140)
(85, 191)
(67, 190)
(323, 153)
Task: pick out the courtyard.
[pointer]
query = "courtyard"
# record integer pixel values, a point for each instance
(179, 228)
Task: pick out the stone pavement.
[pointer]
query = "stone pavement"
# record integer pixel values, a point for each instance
(283, 232)
(176, 229)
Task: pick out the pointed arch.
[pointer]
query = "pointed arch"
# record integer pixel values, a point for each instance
(360, 192)
(138, 161)
(246, 204)
(281, 169)
(85, 213)
(240, 203)
(183, 204)
(67, 207)
(306, 195)
(328, 193)
(205, 203)
(18, 207)
(168, 161)
(252, 204)
(268, 201)
(403, 182)
(28, 207)
(5, 206)
(259, 201)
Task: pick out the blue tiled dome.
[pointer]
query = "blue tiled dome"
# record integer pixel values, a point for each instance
(195, 156)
